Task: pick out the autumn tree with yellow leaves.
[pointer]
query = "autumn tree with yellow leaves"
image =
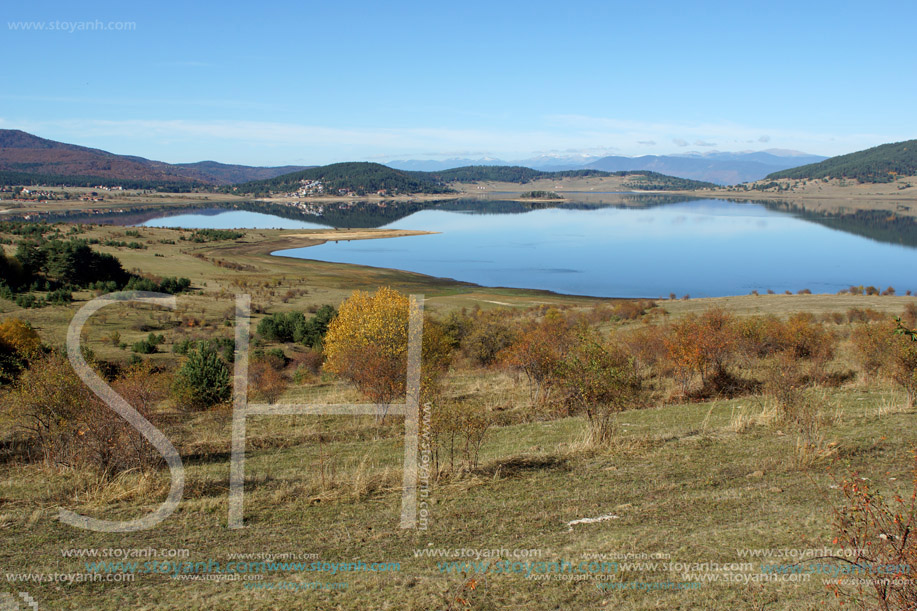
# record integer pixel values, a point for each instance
(19, 343)
(367, 344)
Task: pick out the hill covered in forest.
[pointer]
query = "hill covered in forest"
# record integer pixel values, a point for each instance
(641, 179)
(363, 178)
(352, 177)
(26, 159)
(882, 163)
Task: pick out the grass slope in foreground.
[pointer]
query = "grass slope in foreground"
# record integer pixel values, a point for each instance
(697, 481)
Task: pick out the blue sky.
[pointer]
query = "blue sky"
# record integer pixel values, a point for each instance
(307, 82)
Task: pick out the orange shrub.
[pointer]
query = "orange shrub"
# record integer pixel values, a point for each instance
(872, 347)
(701, 345)
(537, 352)
(267, 383)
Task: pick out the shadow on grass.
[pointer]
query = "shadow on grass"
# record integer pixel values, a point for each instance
(519, 465)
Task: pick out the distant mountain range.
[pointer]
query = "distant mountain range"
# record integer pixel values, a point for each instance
(23, 155)
(716, 167)
(879, 164)
(29, 159)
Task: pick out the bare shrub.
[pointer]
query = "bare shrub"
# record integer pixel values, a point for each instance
(69, 426)
(864, 315)
(632, 310)
(458, 431)
(267, 384)
(811, 342)
(304, 366)
(872, 347)
(909, 316)
(537, 352)
(891, 351)
(881, 530)
(489, 334)
(598, 380)
(903, 366)
(701, 345)
(646, 346)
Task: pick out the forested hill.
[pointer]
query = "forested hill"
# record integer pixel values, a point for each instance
(33, 160)
(26, 159)
(640, 179)
(357, 177)
(362, 178)
(231, 174)
(878, 164)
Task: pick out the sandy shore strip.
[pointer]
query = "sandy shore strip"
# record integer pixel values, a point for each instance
(327, 235)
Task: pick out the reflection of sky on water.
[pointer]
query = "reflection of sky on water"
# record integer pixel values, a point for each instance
(230, 219)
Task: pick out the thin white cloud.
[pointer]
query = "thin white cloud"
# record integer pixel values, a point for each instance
(630, 133)
(187, 63)
(266, 142)
(137, 102)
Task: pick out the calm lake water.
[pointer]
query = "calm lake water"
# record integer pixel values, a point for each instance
(704, 248)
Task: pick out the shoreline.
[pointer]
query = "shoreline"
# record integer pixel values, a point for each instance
(316, 238)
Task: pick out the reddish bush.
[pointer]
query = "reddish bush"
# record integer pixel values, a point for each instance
(267, 384)
(537, 352)
(70, 426)
(701, 345)
(909, 316)
(872, 347)
(881, 531)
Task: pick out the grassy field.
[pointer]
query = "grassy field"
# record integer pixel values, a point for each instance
(693, 483)
(688, 483)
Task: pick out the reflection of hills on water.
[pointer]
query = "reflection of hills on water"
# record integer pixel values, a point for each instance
(130, 216)
(609, 200)
(878, 225)
(354, 214)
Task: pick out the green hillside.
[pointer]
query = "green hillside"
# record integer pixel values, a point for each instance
(642, 180)
(362, 178)
(29, 179)
(878, 164)
(359, 177)
(497, 173)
